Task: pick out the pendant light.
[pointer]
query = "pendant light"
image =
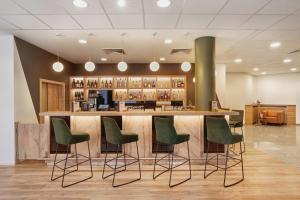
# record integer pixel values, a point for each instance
(89, 65)
(154, 65)
(122, 66)
(186, 66)
(57, 66)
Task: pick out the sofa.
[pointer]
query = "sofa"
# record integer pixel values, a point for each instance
(273, 116)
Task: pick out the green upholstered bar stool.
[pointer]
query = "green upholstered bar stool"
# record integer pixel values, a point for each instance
(117, 137)
(64, 136)
(167, 135)
(237, 121)
(218, 132)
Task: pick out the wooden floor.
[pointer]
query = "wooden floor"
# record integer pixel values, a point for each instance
(265, 178)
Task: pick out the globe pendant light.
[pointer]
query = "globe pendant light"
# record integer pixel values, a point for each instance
(58, 66)
(154, 66)
(186, 66)
(122, 66)
(89, 66)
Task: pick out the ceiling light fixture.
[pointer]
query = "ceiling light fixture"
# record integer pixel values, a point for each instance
(238, 60)
(255, 69)
(263, 73)
(80, 3)
(162, 59)
(168, 41)
(103, 59)
(186, 66)
(82, 41)
(122, 66)
(163, 3)
(154, 66)
(293, 69)
(121, 3)
(89, 66)
(275, 45)
(58, 66)
(287, 60)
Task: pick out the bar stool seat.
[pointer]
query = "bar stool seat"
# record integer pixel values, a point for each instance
(182, 137)
(78, 137)
(128, 137)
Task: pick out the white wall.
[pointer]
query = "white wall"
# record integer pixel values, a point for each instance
(221, 83)
(239, 90)
(24, 109)
(7, 130)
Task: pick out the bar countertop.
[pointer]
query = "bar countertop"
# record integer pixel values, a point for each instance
(138, 113)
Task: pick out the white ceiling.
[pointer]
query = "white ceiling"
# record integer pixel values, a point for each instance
(243, 28)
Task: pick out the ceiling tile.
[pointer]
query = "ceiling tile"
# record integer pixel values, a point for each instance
(161, 21)
(290, 23)
(228, 21)
(25, 21)
(41, 6)
(9, 7)
(59, 21)
(281, 7)
(93, 7)
(203, 6)
(151, 7)
(93, 21)
(243, 7)
(6, 26)
(127, 21)
(132, 7)
(261, 21)
(194, 21)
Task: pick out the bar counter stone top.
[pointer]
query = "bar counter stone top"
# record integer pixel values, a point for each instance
(137, 113)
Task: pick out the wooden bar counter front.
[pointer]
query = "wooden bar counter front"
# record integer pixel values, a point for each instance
(141, 123)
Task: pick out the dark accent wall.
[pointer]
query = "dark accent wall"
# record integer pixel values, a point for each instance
(37, 64)
(141, 69)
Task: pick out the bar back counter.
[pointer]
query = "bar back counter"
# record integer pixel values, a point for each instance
(190, 122)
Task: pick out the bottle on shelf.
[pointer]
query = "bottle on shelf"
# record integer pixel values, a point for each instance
(110, 84)
(73, 83)
(106, 84)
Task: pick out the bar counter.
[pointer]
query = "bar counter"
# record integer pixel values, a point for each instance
(139, 122)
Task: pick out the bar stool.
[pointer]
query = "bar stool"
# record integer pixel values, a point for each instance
(64, 136)
(219, 132)
(117, 137)
(237, 121)
(167, 135)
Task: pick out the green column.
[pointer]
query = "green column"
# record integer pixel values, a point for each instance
(205, 91)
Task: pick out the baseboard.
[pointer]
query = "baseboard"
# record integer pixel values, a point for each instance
(7, 163)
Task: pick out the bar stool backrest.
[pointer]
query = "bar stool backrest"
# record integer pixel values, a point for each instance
(218, 130)
(165, 131)
(62, 132)
(112, 131)
(238, 118)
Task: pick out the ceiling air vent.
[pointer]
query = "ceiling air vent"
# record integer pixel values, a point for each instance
(109, 51)
(186, 51)
(295, 51)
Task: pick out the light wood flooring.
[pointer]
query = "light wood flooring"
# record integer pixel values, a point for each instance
(265, 178)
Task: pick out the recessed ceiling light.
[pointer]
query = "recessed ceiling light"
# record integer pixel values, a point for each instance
(287, 60)
(255, 69)
(162, 59)
(275, 45)
(293, 69)
(238, 60)
(163, 3)
(263, 73)
(82, 41)
(168, 41)
(121, 3)
(103, 59)
(80, 3)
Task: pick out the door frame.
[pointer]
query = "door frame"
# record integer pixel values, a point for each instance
(55, 83)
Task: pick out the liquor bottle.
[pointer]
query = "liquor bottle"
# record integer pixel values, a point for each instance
(102, 84)
(73, 83)
(77, 84)
(81, 84)
(106, 84)
(153, 84)
(110, 84)
(182, 84)
(95, 84)
(88, 84)
(116, 96)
